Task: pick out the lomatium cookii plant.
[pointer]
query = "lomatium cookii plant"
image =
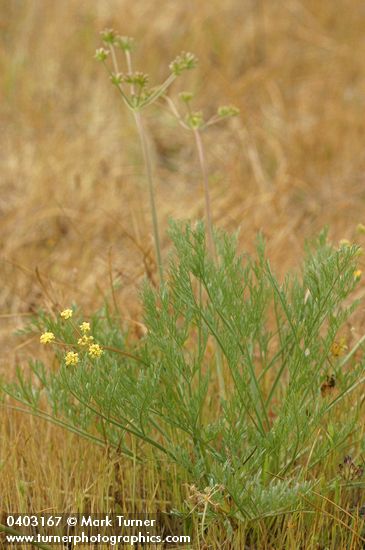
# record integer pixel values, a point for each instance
(291, 378)
(290, 373)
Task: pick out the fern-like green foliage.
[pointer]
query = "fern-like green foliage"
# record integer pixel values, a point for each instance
(260, 443)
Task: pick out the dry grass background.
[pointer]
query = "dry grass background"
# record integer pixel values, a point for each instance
(73, 202)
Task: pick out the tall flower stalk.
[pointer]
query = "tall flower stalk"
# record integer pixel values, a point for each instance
(194, 121)
(204, 173)
(136, 99)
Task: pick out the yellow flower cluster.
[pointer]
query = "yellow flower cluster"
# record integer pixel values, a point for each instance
(66, 314)
(357, 274)
(47, 338)
(85, 340)
(71, 358)
(339, 347)
(85, 327)
(95, 351)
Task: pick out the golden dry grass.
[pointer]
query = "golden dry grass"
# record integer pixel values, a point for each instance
(73, 201)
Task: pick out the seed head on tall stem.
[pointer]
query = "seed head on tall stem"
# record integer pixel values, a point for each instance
(136, 99)
(194, 121)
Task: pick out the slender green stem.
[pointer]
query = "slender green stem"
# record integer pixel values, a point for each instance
(57, 422)
(211, 246)
(159, 91)
(204, 172)
(147, 161)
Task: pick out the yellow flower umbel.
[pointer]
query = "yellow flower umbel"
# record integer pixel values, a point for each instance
(339, 347)
(357, 274)
(66, 314)
(95, 351)
(71, 358)
(85, 327)
(85, 340)
(47, 338)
